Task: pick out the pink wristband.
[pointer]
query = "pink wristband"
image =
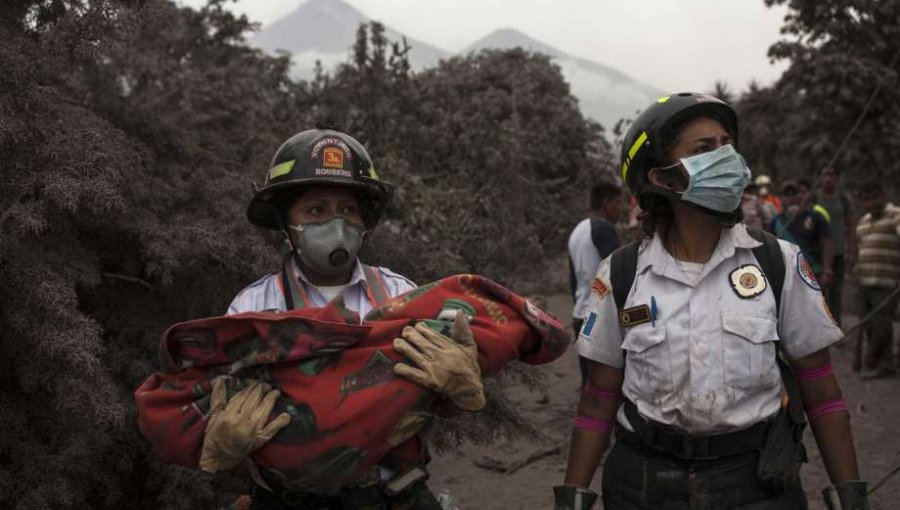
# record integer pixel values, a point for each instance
(611, 394)
(811, 374)
(828, 407)
(593, 424)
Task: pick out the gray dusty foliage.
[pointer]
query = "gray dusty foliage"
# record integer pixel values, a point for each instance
(130, 133)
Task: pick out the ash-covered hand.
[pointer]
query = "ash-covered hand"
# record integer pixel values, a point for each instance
(235, 428)
(448, 366)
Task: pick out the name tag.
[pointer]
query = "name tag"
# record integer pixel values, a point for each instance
(633, 316)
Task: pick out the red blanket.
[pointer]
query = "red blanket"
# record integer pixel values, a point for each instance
(349, 411)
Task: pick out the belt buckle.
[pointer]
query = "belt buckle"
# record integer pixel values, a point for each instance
(695, 447)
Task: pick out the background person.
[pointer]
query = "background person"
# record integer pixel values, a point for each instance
(809, 229)
(758, 214)
(683, 357)
(765, 192)
(831, 199)
(878, 271)
(591, 241)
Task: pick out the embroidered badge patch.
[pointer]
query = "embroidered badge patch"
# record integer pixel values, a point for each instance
(806, 273)
(600, 288)
(588, 326)
(633, 316)
(748, 281)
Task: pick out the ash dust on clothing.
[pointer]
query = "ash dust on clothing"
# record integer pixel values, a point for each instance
(707, 364)
(267, 294)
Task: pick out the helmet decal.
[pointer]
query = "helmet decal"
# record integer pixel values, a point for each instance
(372, 173)
(330, 140)
(332, 157)
(663, 99)
(281, 169)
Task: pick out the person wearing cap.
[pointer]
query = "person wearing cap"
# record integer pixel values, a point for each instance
(323, 194)
(806, 227)
(708, 341)
(764, 182)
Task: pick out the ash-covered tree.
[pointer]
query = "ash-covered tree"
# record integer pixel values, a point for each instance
(840, 52)
(127, 137)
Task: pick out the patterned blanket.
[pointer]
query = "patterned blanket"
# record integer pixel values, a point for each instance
(349, 411)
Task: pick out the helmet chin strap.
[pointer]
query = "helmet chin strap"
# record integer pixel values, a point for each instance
(725, 219)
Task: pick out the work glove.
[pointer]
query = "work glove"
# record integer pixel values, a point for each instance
(448, 366)
(572, 497)
(237, 428)
(851, 495)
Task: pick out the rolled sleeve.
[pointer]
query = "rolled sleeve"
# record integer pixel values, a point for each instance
(805, 323)
(600, 338)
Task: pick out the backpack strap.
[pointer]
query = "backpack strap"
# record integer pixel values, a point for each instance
(771, 260)
(622, 271)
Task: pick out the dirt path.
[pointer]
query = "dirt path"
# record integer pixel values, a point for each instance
(875, 411)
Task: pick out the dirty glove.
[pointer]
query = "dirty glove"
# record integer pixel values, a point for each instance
(850, 495)
(448, 366)
(572, 497)
(238, 428)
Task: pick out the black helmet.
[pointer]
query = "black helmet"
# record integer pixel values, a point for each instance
(318, 157)
(643, 145)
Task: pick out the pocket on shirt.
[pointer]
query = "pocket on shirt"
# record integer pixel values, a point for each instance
(648, 358)
(748, 350)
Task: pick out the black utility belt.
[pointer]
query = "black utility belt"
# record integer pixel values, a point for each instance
(673, 442)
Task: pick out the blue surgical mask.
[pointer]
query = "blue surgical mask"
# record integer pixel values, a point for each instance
(716, 179)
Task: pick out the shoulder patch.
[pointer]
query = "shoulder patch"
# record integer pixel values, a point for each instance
(748, 281)
(588, 327)
(804, 270)
(600, 288)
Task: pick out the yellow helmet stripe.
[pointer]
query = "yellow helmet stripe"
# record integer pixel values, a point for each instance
(637, 144)
(624, 170)
(281, 169)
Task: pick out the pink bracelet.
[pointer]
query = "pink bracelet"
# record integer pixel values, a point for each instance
(828, 407)
(610, 394)
(593, 424)
(811, 374)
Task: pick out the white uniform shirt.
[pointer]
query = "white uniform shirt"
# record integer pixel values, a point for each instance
(707, 365)
(266, 293)
(585, 259)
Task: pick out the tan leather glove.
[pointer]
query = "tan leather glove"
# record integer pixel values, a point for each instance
(238, 428)
(448, 366)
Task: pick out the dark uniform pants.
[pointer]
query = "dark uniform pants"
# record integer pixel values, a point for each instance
(416, 497)
(640, 480)
(881, 329)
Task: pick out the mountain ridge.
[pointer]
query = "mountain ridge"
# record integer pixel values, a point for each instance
(325, 30)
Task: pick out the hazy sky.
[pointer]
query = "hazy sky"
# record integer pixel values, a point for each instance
(673, 45)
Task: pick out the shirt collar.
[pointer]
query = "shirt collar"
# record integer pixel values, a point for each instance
(656, 257)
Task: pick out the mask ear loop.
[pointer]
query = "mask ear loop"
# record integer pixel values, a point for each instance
(666, 183)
